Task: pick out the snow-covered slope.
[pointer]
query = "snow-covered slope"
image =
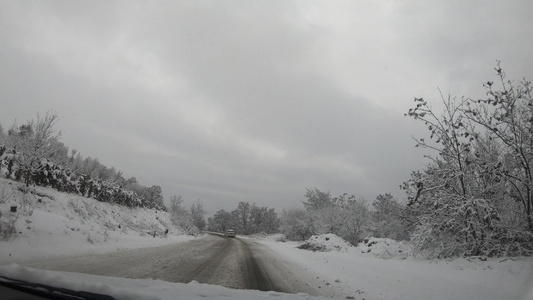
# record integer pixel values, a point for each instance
(51, 223)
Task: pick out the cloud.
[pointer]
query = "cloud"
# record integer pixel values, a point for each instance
(244, 101)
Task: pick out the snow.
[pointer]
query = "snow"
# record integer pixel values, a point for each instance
(386, 248)
(67, 224)
(63, 224)
(325, 243)
(140, 289)
(367, 275)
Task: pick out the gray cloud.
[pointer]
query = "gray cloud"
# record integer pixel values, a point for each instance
(246, 101)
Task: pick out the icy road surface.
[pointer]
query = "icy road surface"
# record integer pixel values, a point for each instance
(238, 263)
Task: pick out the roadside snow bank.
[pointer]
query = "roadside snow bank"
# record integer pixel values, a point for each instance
(377, 247)
(51, 223)
(137, 289)
(364, 276)
(386, 248)
(277, 237)
(325, 243)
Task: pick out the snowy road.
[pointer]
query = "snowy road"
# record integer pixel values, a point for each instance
(235, 263)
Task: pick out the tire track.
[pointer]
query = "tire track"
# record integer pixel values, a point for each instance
(238, 263)
(205, 271)
(257, 279)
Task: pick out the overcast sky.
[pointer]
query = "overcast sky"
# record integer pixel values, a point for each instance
(230, 101)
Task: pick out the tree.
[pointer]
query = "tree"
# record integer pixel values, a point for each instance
(317, 199)
(198, 214)
(243, 214)
(323, 212)
(356, 218)
(388, 219)
(256, 219)
(34, 141)
(153, 196)
(270, 221)
(345, 216)
(181, 216)
(296, 224)
(475, 197)
(507, 116)
(221, 221)
(263, 220)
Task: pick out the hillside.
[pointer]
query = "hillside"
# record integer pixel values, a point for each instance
(51, 223)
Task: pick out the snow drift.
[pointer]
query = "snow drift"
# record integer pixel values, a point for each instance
(325, 243)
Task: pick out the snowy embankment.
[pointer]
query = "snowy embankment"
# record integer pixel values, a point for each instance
(55, 224)
(384, 269)
(51, 223)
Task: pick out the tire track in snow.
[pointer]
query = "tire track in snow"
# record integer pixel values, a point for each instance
(237, 263)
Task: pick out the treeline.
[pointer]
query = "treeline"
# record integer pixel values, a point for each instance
(33, 154)
(245, 219)
(346, 216)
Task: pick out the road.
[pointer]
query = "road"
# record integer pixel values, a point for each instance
(231, 262)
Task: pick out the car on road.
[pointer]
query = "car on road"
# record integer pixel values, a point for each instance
(229, 233)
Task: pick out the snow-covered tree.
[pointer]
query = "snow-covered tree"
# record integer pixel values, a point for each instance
(263, 220)
(271, 221)
(356, 218)
(475, 197)
(243, 215)
(296, 224)
(345, 216)
(317, 200)
(221, 221)
(198, 214)
(388, 218)
(32, 143)
(180, 216)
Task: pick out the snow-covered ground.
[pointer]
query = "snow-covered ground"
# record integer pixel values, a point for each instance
(61, 224)
(354, 274)
(363, 273)
(139, 289)
(54, 224)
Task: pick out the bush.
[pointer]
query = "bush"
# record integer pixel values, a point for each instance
(7, 229)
